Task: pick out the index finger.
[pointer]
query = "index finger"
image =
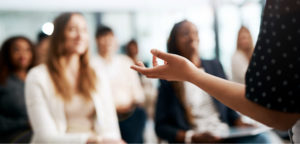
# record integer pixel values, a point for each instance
(162, 55)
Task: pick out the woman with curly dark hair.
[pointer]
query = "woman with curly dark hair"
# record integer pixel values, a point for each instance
(16, 58)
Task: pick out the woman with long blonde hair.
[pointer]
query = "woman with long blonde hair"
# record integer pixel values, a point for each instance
(67, 101)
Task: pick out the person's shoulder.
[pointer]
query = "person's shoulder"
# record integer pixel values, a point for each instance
(124, 58)
(38, 70)
(96, 57)
(102, 84)
(238, 55)
(37, 73)
(98, 65)
(96, 60)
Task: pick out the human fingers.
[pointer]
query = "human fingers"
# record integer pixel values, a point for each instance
(162, 55)
(211, 138)
(112, 141)
(154, 61)
(138, 68)
(144, 70)
(214, 138)
(165, 62)
(155, 72)
(140, 64)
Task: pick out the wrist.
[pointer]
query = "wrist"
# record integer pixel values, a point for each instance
(193, 74)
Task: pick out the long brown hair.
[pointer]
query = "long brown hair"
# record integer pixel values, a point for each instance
(6, 64)
(251, 47)
(87, 81)
(179, 86)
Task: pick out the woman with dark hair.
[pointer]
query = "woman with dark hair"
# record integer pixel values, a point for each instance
(132, 50)
(67, 101)
(16, 58)
(185, 113)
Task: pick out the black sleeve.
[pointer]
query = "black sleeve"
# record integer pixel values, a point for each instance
(272, 78)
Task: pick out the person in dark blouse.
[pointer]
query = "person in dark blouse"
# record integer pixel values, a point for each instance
(272, 89)
(16, 58)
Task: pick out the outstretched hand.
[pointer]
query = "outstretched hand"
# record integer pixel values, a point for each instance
(175, 67)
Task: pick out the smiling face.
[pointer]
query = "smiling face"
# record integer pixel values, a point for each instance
(21, 54)
(76, 35)
(187, 39)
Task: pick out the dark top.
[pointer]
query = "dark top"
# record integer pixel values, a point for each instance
(272, 79)
(170, 114)
(13, 115)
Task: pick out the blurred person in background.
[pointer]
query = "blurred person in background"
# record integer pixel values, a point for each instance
(185, 113)
(67, 101)
(150, 90)
(241, 58)
(127, 91)
(132, 50)
(42, 47)
(16, 58)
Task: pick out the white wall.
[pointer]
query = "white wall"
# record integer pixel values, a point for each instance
(29, 24)
(149, 21)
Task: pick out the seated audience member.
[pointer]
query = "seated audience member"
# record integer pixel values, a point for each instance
(150, 90)
(185, 113)
(132, 51)
(127, 91)
(67, 101)
(16, 58)
(241, 58)
(41, 49)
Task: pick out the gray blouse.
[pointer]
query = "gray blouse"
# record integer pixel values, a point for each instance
(13, 115)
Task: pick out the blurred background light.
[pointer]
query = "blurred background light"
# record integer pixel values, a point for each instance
(48, 28)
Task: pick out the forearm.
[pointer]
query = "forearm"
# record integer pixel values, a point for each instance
(233, 95)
